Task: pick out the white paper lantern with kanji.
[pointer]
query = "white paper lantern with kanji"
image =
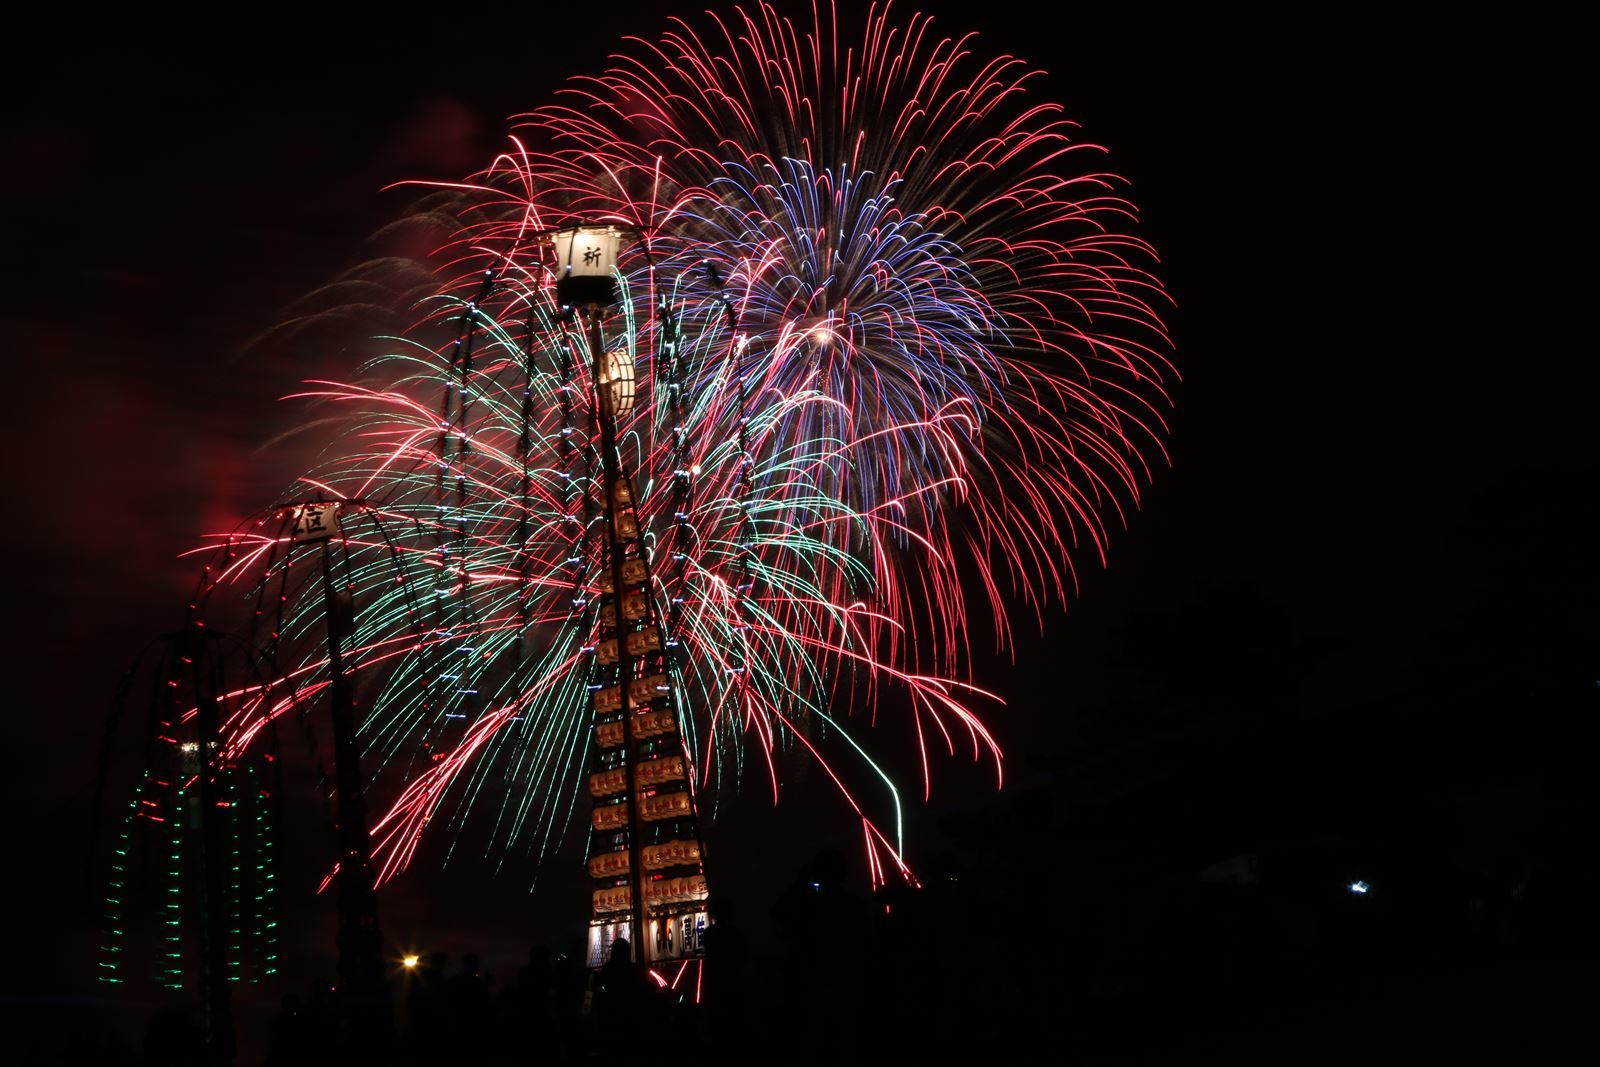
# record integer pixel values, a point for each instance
(585, 259)
(315, 522)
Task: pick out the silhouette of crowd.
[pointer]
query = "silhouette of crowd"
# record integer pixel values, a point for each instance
(1170, 958)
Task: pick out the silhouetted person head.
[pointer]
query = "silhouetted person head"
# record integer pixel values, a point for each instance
(621, 951)
(722, 909)
(172, 1037)
(945, 867)
(830, 868)
(290, 1033)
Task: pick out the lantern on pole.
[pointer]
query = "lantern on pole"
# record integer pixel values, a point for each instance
(586, 257)
(314, 521)
(361, 969)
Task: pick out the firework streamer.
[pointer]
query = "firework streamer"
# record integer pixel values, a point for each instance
(899, 356)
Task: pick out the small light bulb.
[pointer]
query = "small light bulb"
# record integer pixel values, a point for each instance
(1359, 888)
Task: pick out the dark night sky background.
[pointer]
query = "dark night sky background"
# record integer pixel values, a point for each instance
(1362, 596)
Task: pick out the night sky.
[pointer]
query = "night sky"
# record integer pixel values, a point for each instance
(1359, 605)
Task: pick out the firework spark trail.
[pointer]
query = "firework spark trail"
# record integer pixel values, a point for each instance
(895, 341)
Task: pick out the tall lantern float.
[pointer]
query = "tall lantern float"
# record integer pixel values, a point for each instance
(646, 855)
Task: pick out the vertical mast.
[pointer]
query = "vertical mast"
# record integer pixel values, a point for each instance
(646, 855)
(218, 1016)
(361, 980)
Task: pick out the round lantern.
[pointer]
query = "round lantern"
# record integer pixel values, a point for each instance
(616, 385)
